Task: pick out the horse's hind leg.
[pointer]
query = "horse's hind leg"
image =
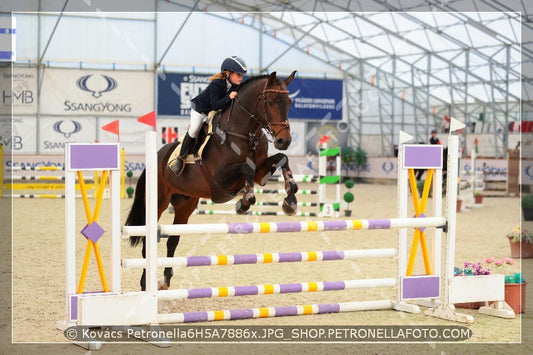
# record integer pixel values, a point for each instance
(183, 207)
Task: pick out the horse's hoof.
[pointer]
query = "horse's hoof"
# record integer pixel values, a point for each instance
(240, 208)
(288, 208)
(162, 285)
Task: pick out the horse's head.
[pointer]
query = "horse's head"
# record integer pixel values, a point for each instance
(276, 102)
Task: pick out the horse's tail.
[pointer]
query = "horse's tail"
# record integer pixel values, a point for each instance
(137, 215)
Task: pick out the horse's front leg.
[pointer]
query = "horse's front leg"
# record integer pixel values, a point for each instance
(290, 203)
(248, 197)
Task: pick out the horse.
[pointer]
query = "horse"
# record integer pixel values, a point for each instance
(233, 159)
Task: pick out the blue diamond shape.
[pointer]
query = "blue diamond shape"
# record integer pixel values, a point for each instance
(93, 231)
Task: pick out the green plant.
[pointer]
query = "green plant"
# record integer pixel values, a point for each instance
(516, 235)
(360, 158)
(478, 193)
(347, 155)
(527, 201)
(348, 196)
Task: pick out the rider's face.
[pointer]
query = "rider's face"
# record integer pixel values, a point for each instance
(235, 78)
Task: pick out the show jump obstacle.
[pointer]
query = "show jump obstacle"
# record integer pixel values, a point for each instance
(44, 181)
(437, 288)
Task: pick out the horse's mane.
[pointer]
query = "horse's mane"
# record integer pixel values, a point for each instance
(252, 79)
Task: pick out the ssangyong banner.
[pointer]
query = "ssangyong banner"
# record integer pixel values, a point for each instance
(18, 90)
(175, 91)
(96, 92)
(316, 99)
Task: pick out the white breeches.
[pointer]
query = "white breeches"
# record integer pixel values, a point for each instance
(197, 119)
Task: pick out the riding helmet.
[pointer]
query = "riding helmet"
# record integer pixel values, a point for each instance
(234, 64)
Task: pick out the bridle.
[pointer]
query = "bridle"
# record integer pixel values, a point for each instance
(268, 124)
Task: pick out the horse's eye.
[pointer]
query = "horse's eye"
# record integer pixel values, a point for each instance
(270, 103)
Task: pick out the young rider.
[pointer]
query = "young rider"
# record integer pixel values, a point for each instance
(217, 95)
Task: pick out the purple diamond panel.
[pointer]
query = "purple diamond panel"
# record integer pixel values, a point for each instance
(93, 232)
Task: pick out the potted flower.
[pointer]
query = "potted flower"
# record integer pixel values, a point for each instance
(478, 197)
(527, 207)
(521, 243)
(515, 286)
(348, 197)
(470, 269)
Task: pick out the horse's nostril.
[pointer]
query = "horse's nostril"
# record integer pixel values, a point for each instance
(282, 143)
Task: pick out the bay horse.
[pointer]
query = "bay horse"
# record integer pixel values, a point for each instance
(235, 157)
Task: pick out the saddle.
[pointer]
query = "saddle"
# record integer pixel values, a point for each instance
(201, 141)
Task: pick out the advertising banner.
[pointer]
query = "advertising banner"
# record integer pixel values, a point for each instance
(316, 99)
(8, 43)
(175, 91)
(56, 132)
(19, 134)
(18, 88)
(96, 92)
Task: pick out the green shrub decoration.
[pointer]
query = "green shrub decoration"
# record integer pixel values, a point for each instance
(349, 183)
(348, 197)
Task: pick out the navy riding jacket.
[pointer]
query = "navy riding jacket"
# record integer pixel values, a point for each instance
(214, 97)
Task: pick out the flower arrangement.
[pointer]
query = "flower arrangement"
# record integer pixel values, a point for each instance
(476, 269)
(516, 235)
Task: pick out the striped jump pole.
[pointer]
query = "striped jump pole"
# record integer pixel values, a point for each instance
(254, 213)
(296, 177)
(263, 258)
(258, 203)
(289, 227)
(265, 312)
(269, 289)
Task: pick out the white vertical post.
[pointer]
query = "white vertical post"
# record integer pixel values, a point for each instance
(437, 212)
(339, 166)
(402, 191)
(322, 171)
(451, 196)
(115, 185)
(70, 226)
(151, 212)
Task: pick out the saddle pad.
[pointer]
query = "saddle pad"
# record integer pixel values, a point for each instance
(191, 158)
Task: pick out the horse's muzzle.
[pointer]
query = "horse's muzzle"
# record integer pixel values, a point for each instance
(282, 143)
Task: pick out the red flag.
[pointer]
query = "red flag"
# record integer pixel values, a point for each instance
(323, 140)
(148, 119)
(111, 127)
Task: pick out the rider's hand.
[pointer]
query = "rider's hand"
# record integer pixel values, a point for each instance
(233, 94)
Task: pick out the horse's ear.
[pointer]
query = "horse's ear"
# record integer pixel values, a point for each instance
(289, 79)
(272, 80)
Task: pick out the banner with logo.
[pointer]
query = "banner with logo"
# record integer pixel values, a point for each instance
(18, 90)
(19, 134)
(316, 99)
(96, 92)
(175, 91)
(56, 132)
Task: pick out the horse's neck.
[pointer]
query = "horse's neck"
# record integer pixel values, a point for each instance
(237, 116)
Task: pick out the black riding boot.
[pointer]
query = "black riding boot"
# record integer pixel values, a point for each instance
(186, 149)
